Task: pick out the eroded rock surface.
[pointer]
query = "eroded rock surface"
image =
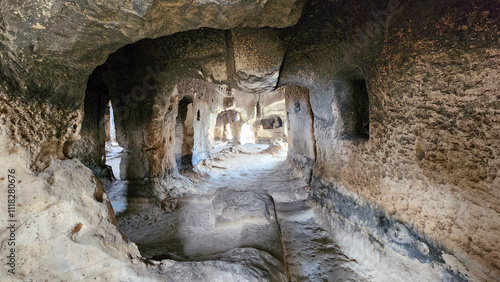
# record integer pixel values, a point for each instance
(66, 210)
(77, 37)
(234, 207)
(235, 265)
(392, 108)
(428, 79)
(203, 226)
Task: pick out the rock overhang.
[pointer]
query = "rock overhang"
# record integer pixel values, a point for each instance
(49, 49)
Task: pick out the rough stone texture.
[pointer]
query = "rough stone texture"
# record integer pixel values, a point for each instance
(427, 159)
(146, 81)
(255, 70)
(271, 119)
(77, 37)
(90, 148)
(378, 263)
(264, 112)
(207, 99)
(65, 229)
(273, 103)
(184, 132)
(221, 130)
(209, 227)
(301, 138)
(235, 206)
(236, 219)
(431, 71)
(270, 130)
(49, 49)
(146, 89)
(244, 264)
(385, 232)
(245, 104)
(23, 122)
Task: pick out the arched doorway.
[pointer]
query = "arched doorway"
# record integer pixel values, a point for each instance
(184, 133)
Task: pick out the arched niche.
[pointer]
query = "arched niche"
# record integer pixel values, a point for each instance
(353, 103)
(184, 133)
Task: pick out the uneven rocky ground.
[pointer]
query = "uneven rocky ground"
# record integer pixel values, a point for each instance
(190, 232)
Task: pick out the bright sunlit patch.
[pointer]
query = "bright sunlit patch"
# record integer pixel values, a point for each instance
(229, 133)
(113, 149)
(246, 135)
(112, 131)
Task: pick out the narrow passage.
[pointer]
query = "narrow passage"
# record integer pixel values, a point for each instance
(192, 232)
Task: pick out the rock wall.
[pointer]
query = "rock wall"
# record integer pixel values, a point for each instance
(55, 238)
(264, 112)
(425, 180)
(25, 122)
(143, 81)
(271, 119)
(301, 138)
(47, 52)
(254, 70)
(145, 126)
(404, 100)
(184, 132)
(207, 98)
(228, 126)
(47, 55)
(90, 148)
(39, 36)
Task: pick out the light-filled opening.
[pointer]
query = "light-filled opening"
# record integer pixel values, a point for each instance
(246, 136)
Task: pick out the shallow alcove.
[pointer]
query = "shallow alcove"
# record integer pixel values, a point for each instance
(271, 122)
(353, 102)
(184, 133)
(270, 129)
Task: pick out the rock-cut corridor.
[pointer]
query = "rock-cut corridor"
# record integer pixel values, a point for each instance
(254, 202)
(245, 140)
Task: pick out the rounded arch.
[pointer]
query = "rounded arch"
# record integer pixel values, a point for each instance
(228, 126)
(184, 134)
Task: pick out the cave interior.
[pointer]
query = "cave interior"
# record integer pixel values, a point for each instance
(278, 140)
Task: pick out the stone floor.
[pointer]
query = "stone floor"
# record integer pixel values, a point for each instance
(190, 232)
